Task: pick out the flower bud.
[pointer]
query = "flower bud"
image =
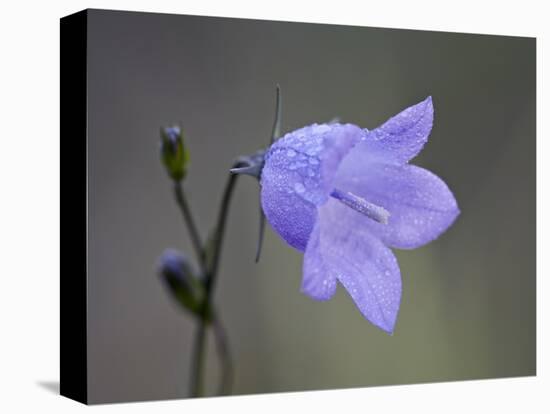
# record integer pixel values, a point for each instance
(174, 154)
(177, 273)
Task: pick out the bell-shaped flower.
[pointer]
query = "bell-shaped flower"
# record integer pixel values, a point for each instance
(344, 196)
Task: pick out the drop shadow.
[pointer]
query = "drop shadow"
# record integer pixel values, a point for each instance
(51, 386)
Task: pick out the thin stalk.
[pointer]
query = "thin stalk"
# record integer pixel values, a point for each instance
(210, 270)
(197, 369)
(199, 346)
(210, 278)
(224, 353)
(188, 217)
(220, 228)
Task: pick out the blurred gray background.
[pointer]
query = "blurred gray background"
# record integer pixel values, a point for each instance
(468, 306)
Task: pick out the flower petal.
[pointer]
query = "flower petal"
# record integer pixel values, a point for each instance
(298, 176)
(318, 281)
(403, 136)
(365, 267)
(420, 205)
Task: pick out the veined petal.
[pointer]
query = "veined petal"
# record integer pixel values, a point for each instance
(318, 281)
(289, 215)
(367, 269)
(420, 205)
(403, 136)
(298, 176)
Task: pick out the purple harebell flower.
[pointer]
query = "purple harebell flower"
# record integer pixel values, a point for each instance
(344, 196)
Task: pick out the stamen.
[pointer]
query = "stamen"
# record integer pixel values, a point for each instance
(372, 211)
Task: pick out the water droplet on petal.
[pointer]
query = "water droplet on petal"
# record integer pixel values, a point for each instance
(299, 188)
(320, 129)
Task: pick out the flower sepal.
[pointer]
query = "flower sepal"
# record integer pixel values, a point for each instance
(250, 165)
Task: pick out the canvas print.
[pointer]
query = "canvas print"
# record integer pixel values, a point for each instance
(282, 206)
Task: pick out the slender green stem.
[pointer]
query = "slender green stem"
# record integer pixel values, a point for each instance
(210, 271)
(225, 356)
(211, 274)
(197, 369)
(188, 217)
(220, 228)
(199, 346)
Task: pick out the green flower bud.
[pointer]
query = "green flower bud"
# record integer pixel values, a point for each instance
(174, 154)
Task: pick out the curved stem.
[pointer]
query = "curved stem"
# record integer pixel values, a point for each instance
(210, 272)
(209, 269)
(199, 348)
(187, 216)
(220, 228)
(224, 355)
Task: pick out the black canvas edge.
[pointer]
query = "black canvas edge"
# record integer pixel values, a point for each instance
(73, 206)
